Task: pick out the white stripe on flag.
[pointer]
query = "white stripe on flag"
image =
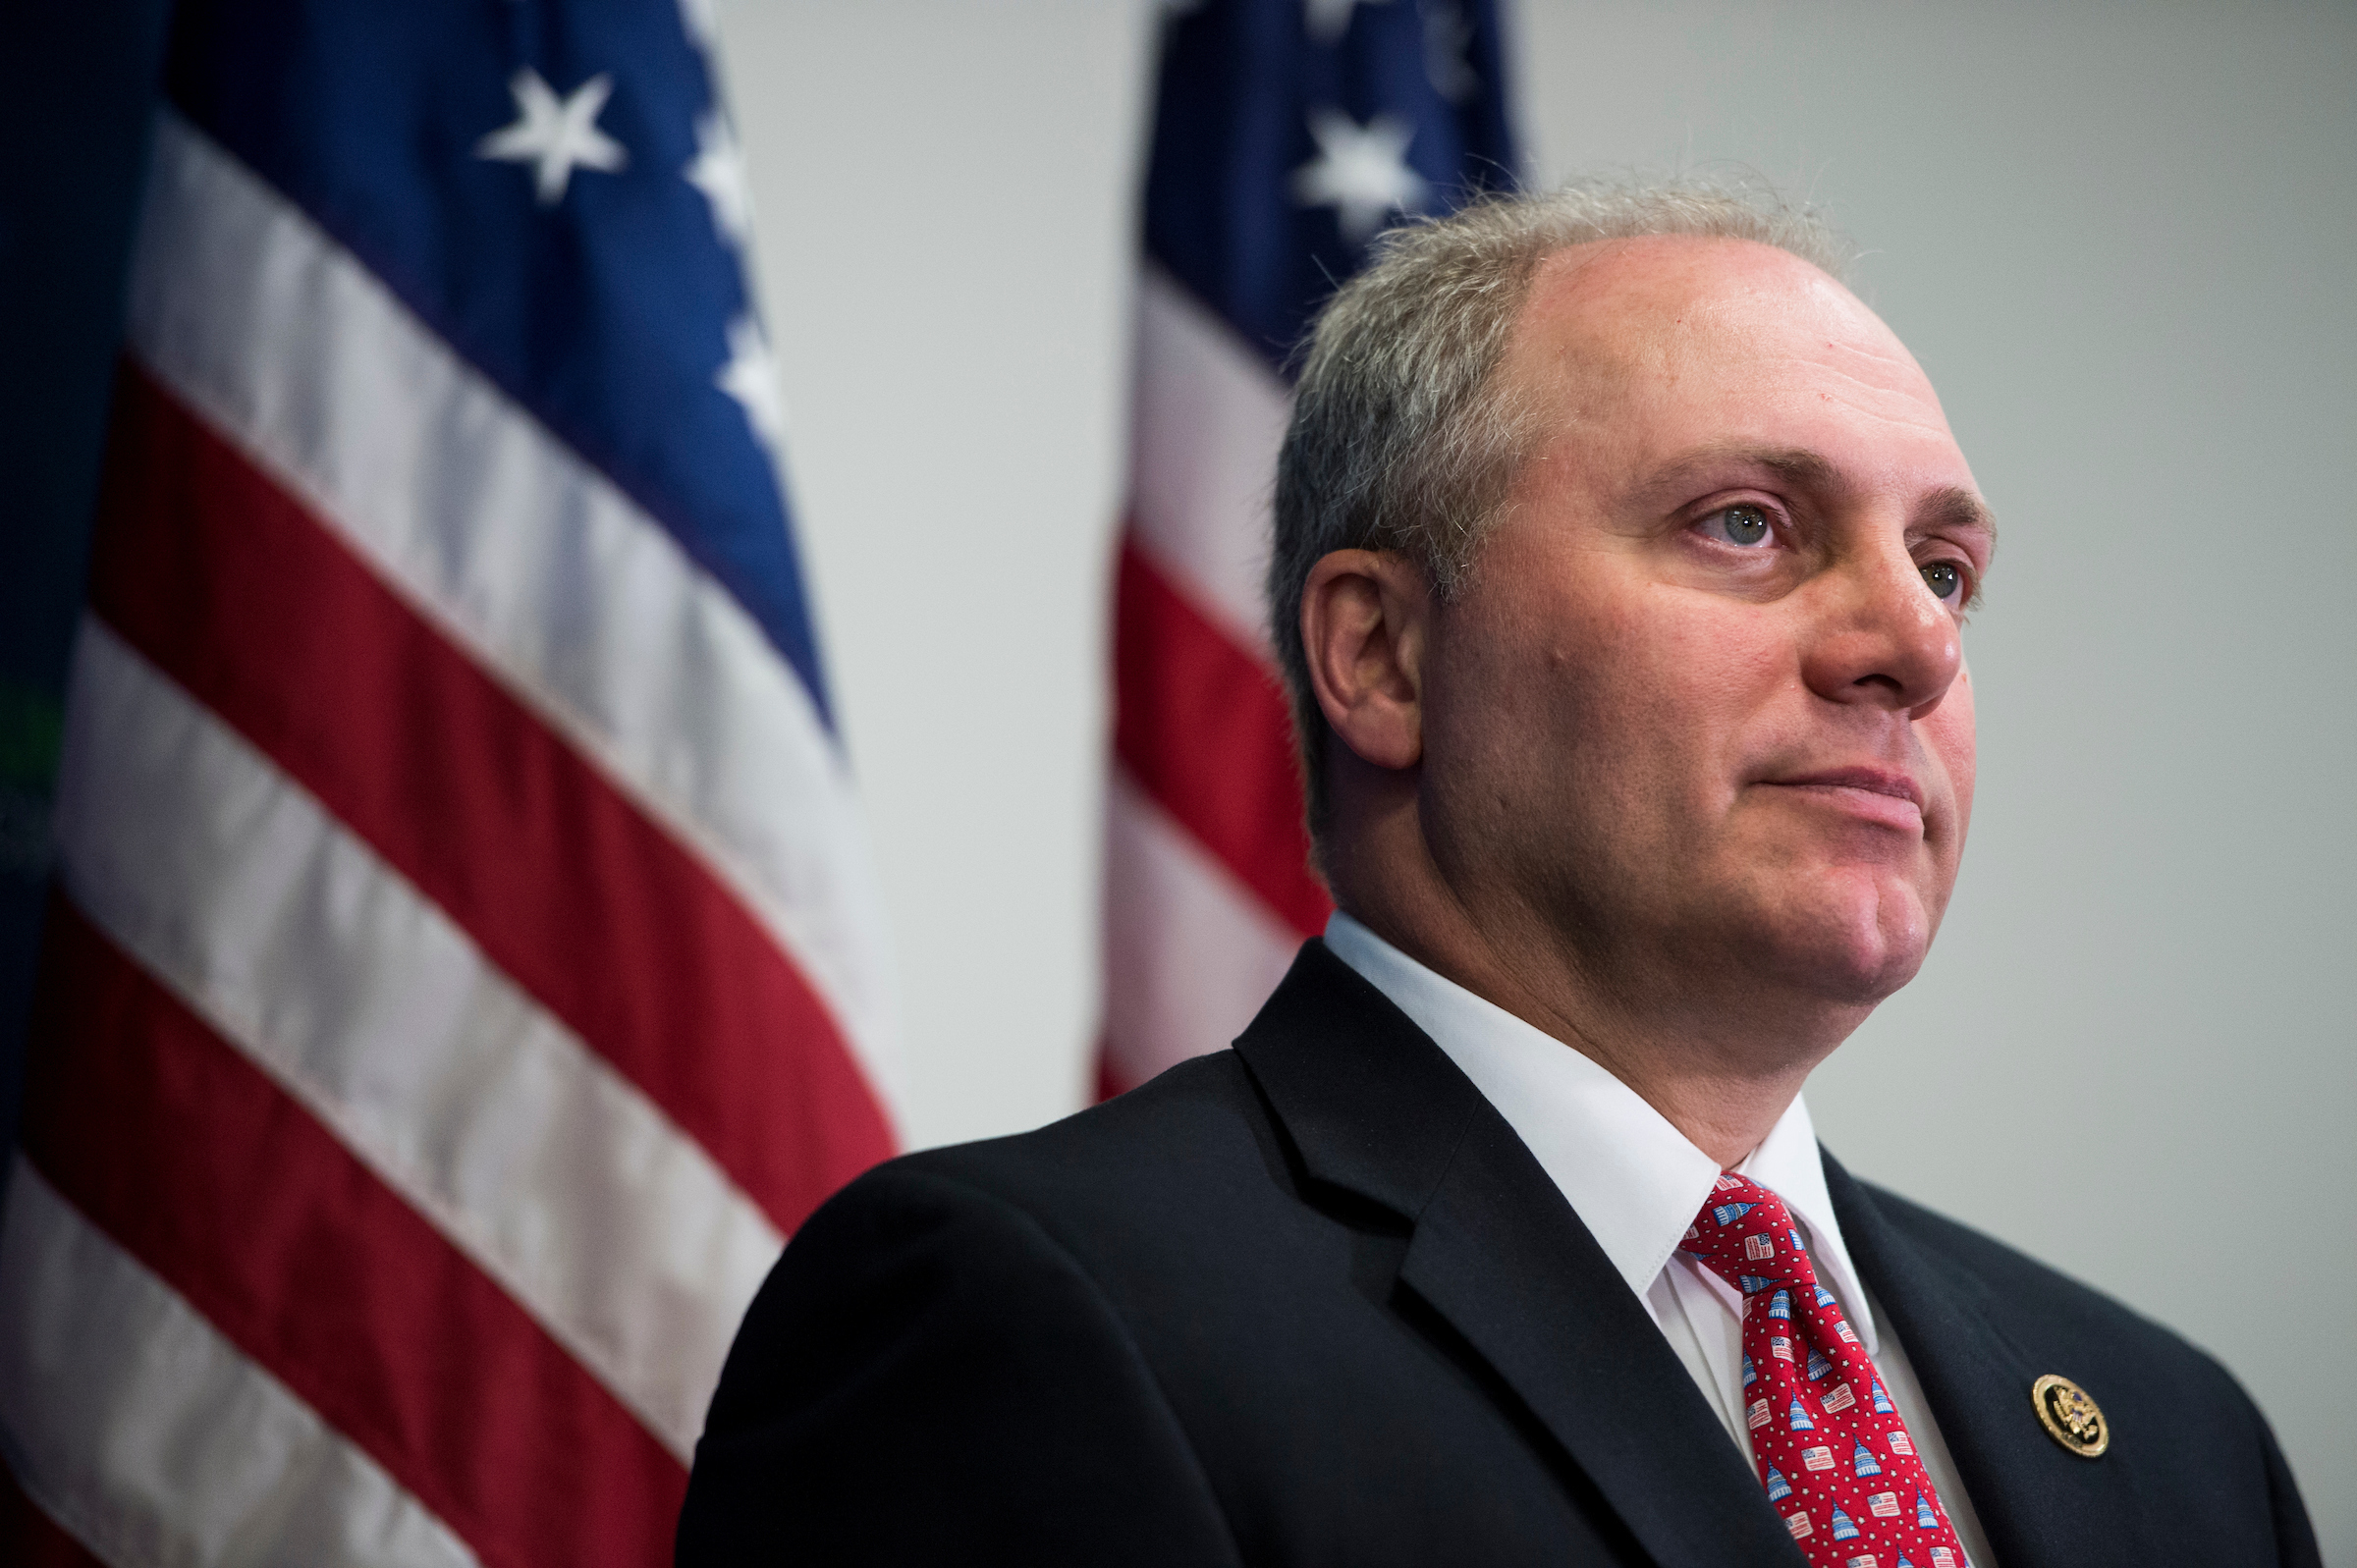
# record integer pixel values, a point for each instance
(1209, 419)
(158, 1442)
(1189, 954)
(520, 552)
(227, 881)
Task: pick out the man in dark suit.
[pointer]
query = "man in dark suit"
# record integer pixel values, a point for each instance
(1621, 568)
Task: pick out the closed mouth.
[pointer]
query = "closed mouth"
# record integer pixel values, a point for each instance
(1872, 781)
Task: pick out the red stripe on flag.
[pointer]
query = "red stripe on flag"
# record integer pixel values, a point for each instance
(30, 1538)
(206, 1172)
(1202, 726)
(226, 584)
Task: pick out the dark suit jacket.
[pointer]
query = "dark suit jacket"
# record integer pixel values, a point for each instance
(1312, 1301)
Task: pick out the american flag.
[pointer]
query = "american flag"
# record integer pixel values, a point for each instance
(465, 968)
(1287, 134)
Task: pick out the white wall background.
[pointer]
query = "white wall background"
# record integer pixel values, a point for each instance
(2123, 241)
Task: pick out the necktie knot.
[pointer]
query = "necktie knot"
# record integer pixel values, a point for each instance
(1745, 1235)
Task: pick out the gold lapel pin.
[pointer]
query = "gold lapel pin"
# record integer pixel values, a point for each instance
(2070, 1417)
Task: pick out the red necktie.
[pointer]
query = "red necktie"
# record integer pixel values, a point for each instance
(1832, 1453)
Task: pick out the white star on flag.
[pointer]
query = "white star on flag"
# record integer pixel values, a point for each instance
(751, 377)
(1329, 20)
(1360, 171)
(719, 173)
(556, 134)
(701, 18)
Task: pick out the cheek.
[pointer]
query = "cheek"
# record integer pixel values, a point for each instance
(1526, 687)
(1658, 700)
(1584, 668)
(1693, 678)
(1949, 735)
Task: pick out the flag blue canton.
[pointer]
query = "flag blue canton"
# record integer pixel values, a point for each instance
(553, 189)
(1288, 131)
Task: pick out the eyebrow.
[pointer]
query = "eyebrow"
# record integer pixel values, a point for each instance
(1797, 464)
(1954, 506)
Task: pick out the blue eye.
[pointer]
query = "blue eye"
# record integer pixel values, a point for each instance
(1944, 581)
(1740, 525)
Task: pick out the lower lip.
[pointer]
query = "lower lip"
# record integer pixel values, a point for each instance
(1866, 805)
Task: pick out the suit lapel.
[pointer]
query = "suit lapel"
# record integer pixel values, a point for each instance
(1978, 1384)
(1373, 1107)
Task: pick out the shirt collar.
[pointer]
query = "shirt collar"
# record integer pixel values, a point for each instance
(1634, 1180)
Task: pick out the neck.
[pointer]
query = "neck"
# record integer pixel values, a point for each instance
(1721, 1057)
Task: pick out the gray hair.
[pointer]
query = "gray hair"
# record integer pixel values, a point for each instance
(1399, 440)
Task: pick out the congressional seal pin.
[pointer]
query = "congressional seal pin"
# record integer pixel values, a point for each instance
(2070, 1417)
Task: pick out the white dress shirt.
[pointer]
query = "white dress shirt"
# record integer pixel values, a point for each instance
(1637, 1184)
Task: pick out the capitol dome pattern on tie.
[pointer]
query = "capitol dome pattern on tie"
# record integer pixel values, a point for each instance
(1837, 1463)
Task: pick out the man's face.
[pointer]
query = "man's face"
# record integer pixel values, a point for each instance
(1701, 705)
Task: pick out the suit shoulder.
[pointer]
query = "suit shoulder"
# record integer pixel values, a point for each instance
(1051, 1220)
(997, 1248)
(1996, 1263)
(1194, 1133)
(2157, 1389)
(927, 1334)
(2037, 1302)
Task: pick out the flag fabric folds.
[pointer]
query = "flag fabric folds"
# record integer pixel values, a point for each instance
(465, 970)
(1287, 134)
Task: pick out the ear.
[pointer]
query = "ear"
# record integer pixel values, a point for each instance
(1366, 617)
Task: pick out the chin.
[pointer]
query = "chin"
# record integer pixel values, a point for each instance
(1855, 942)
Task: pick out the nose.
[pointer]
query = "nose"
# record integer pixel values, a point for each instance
(1882, 638)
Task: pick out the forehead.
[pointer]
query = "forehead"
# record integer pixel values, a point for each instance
(1643, 348)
